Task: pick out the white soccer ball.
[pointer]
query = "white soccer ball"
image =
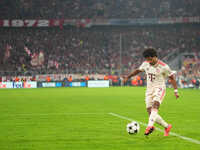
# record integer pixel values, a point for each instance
(133, 127)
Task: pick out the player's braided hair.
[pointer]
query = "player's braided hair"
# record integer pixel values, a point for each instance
(150, 52)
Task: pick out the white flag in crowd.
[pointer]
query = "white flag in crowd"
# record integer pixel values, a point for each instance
(36, 59)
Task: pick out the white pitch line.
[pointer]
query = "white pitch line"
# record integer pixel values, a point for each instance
(144, 124)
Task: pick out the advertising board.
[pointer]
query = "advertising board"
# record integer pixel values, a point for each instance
(98, 83)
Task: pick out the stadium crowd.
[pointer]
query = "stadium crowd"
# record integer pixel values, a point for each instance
(94, 50)
(54, 9)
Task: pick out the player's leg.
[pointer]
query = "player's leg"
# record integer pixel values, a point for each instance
(149, 129)
(158, 119)
(162, 122)
(154, 112)
(159, 97)
(149, 110)
(149, 103)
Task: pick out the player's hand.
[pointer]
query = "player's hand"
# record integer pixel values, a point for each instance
(176, 94)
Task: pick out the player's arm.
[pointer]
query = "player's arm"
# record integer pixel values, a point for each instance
(135, 72)
(173, 82)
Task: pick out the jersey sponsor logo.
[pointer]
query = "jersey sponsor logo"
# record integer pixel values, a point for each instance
(151, 76)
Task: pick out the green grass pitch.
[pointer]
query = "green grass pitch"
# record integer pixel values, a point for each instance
(80, 119)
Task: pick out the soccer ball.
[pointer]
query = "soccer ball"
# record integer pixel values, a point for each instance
(133, 127)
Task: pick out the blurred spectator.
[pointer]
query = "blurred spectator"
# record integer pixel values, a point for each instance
(47, 9)
(69, 79)
(48, 79)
